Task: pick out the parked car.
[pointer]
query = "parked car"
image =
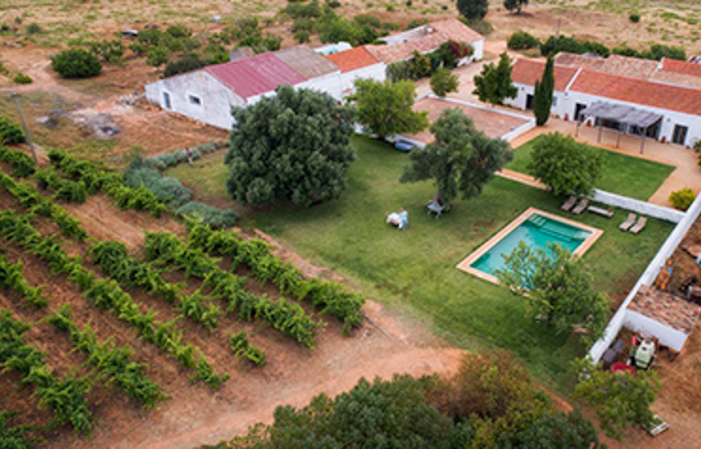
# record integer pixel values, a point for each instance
(403, 145)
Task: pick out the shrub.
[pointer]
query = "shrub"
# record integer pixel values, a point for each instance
(108, 51)
(157, 56)
(301, 36)
(10, 132)
(682, 199)
(76, 63)
(166, 188)
(635, 18)
(555, 45)
(208, 215)
(21, 78)
(443, 82)
(624, 50)
(659, 51)
(521, 40)
(185, 64)
(33, 28)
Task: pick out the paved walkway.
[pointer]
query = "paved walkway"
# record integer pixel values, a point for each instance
(686, 174)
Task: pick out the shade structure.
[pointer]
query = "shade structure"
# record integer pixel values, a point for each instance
(620, 113)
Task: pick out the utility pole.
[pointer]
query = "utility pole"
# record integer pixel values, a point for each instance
(26, 130)
(557, 33)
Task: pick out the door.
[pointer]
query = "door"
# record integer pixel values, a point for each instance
(166, 100)
(529, 102)
(579, 107)
(679, 135)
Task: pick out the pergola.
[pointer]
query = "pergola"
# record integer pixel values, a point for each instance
(625, 116)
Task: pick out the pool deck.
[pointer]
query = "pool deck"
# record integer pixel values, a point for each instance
(466, 264)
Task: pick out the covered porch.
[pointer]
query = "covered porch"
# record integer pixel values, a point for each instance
(621, 119)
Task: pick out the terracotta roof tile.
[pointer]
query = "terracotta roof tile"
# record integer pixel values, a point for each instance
(681, 67)
(353, 59)
(257, 75)
(666, 308)
(442, 31)
(527, 71)
(637, 91)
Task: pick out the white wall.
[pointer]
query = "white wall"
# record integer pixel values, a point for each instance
(216, 99)
(668, 336)
(329, 83)
(478, 54)
(377, 72)
(648, 277)
(640, 207)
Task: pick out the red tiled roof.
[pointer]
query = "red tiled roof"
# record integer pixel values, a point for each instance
(648, 93)
(681, 67)
(442, 31)
(256, 75)
(353, 59)
(527, 71)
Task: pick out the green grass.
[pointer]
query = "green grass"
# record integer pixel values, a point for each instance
(625, 175)
(413, 271)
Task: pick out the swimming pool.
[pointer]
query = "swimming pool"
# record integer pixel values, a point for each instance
(537, 229)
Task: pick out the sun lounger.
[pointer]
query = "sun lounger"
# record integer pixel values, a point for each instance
(608, 213)
(581, 206)
(639, 225)
(567, 205)
(436, 208)
(628, 223)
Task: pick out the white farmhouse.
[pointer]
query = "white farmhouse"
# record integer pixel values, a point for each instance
(355, 64)
(621, 94)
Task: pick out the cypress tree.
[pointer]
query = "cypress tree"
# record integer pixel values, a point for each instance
(543, 94)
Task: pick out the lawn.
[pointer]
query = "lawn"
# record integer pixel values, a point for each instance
(414, 270)
(625, 175)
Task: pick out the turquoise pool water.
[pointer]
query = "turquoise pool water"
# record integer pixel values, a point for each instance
(538, 232)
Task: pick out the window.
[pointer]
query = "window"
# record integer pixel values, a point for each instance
(194, 99)
(166, 100)
(554, 103)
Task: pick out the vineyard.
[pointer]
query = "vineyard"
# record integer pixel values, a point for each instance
(91, 326)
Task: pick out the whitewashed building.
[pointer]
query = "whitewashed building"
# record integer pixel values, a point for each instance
(675, 106)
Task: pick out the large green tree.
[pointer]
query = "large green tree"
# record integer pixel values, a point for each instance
(473, 9)
(291, 147)
(386, 107)
(571, 431)
(515, 5)
(557, 287)
(564, 165)
(620, 400)
(462, 159)
(443, 82)
(494, 85)
(543, 94)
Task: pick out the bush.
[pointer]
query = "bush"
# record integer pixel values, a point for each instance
(185, 64)
(443, 82)
(10, 132)
(301, 36)
(521, 40)
(76, 63)
(21, 78)
(682, 199)
(659, 51)
(33, 28)
(108, 51)
(635, 18)
(208, 215)
(157, 56)
(555, 45)
(168, 189)
(624, 50)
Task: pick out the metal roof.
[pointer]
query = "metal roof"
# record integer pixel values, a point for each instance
(257, 75)
(306, 61)
(622, 114)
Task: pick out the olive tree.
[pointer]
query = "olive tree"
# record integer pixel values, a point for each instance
(462, 159)
(291, 147)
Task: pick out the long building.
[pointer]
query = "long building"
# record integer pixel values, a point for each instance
(661, 100)
(208, 94)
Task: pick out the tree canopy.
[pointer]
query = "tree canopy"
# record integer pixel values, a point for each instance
(473, 9)
(543, 94)
(386, 107)
(291, 147)
(462, 159)
(515, 5)
(571, 431)
(620, 400)
(494, 85)
(557, 287)
(564, 165)
(76, 63)
(443, 82)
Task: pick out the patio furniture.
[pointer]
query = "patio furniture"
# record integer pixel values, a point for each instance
(639, 225)
(436, 207)
(608, 213)
(657, 426)
(569, 204)
(628, 223)
(581, 206)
